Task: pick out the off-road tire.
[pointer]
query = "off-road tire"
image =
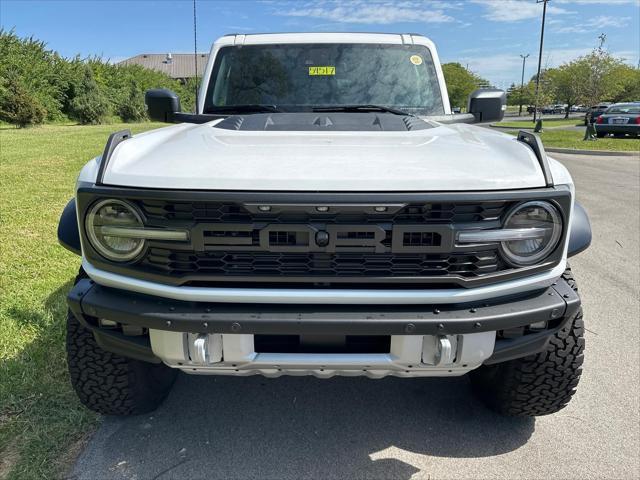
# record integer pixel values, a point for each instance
(112, 384)
(538, 384)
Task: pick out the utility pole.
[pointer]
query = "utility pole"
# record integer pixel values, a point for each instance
(524, 60)
(544, 15)
(195, 53)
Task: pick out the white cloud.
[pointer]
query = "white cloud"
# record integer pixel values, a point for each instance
(503, 69)
(595, 2)
(601, 21)
(374, 12)
(516, 10)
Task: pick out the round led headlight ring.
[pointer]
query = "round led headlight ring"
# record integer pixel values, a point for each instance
(114, 213)
(539, 215)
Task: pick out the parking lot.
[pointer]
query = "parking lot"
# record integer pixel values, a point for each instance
(344, 428)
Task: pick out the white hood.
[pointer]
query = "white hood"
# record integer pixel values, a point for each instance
(444, 158)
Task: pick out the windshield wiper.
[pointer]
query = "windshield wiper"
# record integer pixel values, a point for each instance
(248, 108)
(360, 108)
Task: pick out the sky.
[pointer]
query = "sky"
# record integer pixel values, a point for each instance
(487, 35)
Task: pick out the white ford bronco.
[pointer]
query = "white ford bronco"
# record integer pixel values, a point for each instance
(324, 213)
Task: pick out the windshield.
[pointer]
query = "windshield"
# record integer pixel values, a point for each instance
(299, 77)
(624, 109)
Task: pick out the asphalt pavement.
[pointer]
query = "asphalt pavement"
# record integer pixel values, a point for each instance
(348, 428)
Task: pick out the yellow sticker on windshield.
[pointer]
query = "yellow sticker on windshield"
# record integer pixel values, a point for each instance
(416, 59)
(322, 70)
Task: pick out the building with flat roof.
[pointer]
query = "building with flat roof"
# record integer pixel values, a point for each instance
(179, 66)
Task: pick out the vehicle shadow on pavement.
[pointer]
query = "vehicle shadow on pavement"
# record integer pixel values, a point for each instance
(293, 427)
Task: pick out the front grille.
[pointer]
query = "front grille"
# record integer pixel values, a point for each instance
(239, 242)
(323, 240)
(320, 264)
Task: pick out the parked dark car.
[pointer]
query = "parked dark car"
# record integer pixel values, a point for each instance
(595, 111)
(553, 109)
(619, 119)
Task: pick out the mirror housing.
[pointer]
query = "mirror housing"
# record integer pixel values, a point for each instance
(487, 104)
(162, 104)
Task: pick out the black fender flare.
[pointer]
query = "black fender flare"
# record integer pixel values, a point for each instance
(68, 233)
(580, 234)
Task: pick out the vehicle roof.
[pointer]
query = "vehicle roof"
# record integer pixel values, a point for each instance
(635, 104)
(327, 37)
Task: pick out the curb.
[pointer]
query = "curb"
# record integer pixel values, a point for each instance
(601, 153)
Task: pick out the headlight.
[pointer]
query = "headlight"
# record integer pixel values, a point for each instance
(540, 225)
(103, 222)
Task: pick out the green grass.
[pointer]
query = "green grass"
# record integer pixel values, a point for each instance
(552, 122)
(574, 140)
(41, 421)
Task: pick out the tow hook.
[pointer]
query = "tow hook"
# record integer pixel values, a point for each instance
(445, 354)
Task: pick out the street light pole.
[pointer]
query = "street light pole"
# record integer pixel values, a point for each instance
(524, 60)
(544, 14)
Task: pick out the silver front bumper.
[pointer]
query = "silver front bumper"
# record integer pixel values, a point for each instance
(409, 356)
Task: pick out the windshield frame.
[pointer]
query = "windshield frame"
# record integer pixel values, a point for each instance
(209, 84)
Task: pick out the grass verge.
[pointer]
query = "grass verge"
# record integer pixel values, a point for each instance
(574, 140)
(40, 417)
(552, 122)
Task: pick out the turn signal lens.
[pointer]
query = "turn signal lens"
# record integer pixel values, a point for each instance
(600, 119)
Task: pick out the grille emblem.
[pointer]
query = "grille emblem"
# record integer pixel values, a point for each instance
(322, 238)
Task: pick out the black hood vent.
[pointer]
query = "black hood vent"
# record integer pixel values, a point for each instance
(328, 122)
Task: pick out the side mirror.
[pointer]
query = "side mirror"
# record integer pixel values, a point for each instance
(162, 104)
(487, 104)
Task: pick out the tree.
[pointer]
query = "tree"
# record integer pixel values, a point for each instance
(627, 79)
(131, 107)
(18, 105)
(521, 95)
(460, 83)
(564, 84)
(596, 81)
(89, 106)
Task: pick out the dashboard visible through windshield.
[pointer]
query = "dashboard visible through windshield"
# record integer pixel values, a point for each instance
(301, 77)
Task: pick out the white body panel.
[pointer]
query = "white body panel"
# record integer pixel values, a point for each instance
(444, 158)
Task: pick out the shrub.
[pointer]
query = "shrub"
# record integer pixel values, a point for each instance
(18, 105)
(89, 106)
(131, 107)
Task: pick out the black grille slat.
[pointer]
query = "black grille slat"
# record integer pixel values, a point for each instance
(305, 264)
(461, 212)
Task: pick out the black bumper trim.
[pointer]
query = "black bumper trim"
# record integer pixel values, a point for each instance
(88, 299)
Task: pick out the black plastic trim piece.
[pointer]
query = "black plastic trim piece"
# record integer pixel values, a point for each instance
(535, 143)
(68, 234)
(580, 234)
(197, 118)
(114, 140)
(323, 198)
(509, 349)
(138, 348)
(89, 299)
